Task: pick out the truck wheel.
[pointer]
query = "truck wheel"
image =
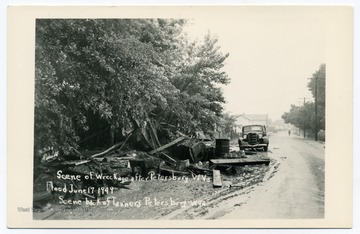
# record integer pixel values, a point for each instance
(265, 148)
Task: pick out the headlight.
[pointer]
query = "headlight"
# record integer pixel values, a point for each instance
(260, 135)
(244, 136)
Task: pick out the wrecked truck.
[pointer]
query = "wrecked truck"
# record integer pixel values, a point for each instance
(253, 137)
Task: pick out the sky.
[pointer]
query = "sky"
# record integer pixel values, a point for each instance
(273, 52)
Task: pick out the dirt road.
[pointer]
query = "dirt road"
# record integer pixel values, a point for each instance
(296, 189)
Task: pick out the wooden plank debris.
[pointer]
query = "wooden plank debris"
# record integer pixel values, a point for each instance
(169, 158)
(240, 161)
(121, 144)
(217, 178)
(88, 157)
(191, 155)
(81, 162)
(153, 133)
(107, 151)
(174, 172)
(75, 162)
(182, 134)
(167, 145)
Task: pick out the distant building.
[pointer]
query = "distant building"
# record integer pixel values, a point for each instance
(246, 119)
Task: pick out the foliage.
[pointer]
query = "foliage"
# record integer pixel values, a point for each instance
(228, 122)
(120, 72)
(304, 117)
(197, 104)
(320, 77)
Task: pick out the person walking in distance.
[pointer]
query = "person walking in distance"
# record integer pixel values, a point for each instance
(289, 132)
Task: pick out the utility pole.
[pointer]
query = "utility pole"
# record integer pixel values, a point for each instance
(316, 107)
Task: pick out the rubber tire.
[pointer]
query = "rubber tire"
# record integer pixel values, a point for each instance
(265, 148)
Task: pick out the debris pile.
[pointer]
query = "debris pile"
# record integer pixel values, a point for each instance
(114, 167)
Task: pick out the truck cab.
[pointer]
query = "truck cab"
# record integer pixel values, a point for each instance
(253, 137)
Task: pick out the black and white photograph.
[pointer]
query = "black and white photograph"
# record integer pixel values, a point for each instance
(208, 113)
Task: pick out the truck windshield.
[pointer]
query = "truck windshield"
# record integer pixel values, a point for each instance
(253, 128)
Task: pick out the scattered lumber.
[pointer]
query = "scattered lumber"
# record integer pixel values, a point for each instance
(126, 158)
(216, 179)
(240, 161)
(88, 157)
(149, 137)
(153, 133)
(167, 145)
(112, 147)
(148, 132)
(191, 154)
(99, 166)
(107, 151)
(182, 134)
(81, 162)
(174, 172)
(170, 159)
(100, 159)
(75, 162)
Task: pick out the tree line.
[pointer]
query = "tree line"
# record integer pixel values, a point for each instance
(309, 117)
(106, 76)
